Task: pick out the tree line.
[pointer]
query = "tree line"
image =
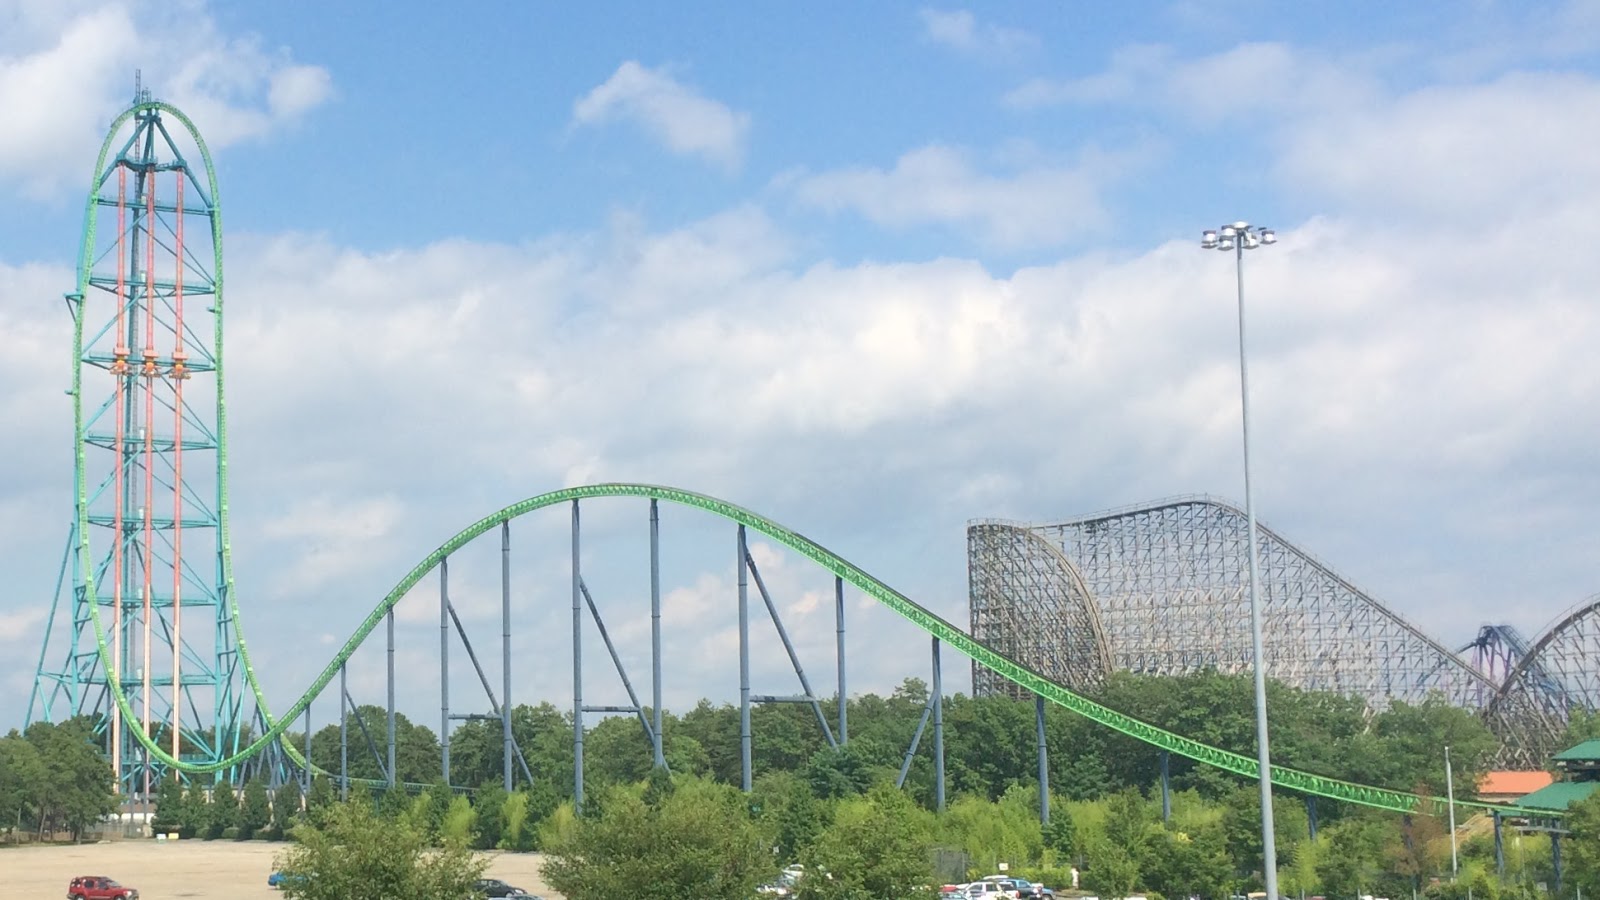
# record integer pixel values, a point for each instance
(990, 742)
(1106, 810)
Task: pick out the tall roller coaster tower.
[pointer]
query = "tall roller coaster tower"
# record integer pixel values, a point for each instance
(142, 633)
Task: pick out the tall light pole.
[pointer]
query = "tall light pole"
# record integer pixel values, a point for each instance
(1236, 239)
(1450, 791)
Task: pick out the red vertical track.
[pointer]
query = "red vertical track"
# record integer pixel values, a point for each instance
(119, 371)
(149, 372)
(179, 356)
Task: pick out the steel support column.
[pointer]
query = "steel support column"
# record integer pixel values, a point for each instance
(390, 619)
(444, 669)
(938, 731)
(344, 735)
(744, 666)
(505, 655)
(1311, 817)
(655, 634)
(1555, 858)
(1166, 786)
(1499, 848)
(1044, 761)
(308, 749)
(577, 666)
(838, 620)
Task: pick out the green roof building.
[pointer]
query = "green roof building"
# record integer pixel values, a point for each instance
(1579, 770)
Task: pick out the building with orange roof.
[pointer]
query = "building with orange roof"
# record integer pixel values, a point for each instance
(1509, 786)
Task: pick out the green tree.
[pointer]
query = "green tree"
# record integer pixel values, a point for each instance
(1178, 864)
(393, 803)
(1404, 747)
(1355, 848)
(355, 853)
(877, 846)
(321, 796)
(416, 746)
(439, 797)
(699, 841)
(616, 752)
(788, 813)
(1298, 877)
(994, 832)
(285, 809)
(1061, 835)
(170, 807)
(544, 735)
(223, 811)
(1581, 849)
(487, 804)
(1112, 870)
(1474, 882)
(196, 812)
(1241, 823)
(838, 773)
(458, 821)
(22, 776)
(1417, 853)
(716, 730)
(514, 822)
(255, 812)
(76, 787)
(1128, 817)
(1582, 725)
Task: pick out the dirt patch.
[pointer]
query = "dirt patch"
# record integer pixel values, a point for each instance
(162, 870)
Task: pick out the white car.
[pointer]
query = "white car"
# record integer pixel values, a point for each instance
(990, 890)
(1008, 885)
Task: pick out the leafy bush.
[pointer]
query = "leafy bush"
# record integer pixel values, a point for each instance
(354, 852)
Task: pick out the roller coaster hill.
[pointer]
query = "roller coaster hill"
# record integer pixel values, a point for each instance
(1161, 588)
(146, 636)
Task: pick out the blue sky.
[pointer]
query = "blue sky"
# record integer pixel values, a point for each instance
(872, 269)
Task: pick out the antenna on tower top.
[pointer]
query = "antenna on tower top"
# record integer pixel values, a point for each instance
(140, 95)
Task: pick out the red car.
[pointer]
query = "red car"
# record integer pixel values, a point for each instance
(98, 887)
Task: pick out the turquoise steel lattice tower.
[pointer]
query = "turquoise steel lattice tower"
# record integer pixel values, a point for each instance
(142, 635)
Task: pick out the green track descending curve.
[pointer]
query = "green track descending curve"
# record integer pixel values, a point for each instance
(950, 635)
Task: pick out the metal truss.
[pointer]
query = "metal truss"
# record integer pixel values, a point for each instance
(1550, 681)
(1170, 583)
(1496, 651)
(1031, 604)
(142, 634)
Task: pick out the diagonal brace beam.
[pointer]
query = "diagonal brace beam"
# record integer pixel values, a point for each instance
(494, 705)
(794, 658)
(616, 660)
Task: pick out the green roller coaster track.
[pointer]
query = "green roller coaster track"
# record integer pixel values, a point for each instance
(950, 635)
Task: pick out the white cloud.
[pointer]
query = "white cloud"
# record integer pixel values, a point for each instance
(1333, 133)
(687, 122)
(1523, 142)
(1030, 207)
(87, 54)
(1270, 79)
(21, 625)
(959, 30)
(876, 407)
(330, 538)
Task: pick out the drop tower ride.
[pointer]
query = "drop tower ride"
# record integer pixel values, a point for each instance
(142, 636)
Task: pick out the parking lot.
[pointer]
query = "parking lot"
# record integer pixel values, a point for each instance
(203, 869)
